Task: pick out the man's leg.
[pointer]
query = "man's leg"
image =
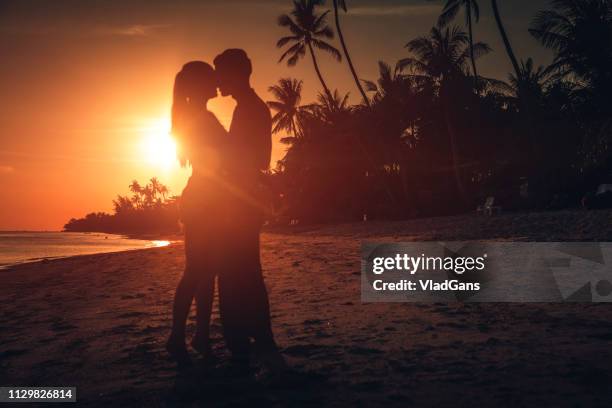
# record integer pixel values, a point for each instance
(231, 300)
(260, 327)
(204, 301)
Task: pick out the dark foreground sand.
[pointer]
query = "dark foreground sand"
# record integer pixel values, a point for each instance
(99, 323)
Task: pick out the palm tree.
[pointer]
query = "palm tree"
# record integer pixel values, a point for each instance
(504, 36)
(122, 204)
(156, 187)
(337, 4)
(308, 31)
(154, 184)
(163, 191)
(472, 14)
(137, 189)
(442, 57)
(580, 33)
(148, 193)
(288, 94)
(532, 82)
(391, 83)
(332, 108)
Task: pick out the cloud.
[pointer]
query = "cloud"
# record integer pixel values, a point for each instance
(406, 10)
(4, 169)
(134, 30)
(130, 30)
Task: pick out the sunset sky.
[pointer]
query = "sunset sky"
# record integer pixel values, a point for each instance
(86, 85)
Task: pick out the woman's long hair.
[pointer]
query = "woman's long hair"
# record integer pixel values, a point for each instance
(188, 100)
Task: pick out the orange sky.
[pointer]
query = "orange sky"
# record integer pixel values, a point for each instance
(83, 82)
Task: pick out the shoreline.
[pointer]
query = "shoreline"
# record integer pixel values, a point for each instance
(592, 226)
(152, 239)
(49, 260)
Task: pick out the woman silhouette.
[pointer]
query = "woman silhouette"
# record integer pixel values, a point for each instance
(200, 139)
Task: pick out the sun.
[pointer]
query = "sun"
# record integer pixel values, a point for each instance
(159, 148)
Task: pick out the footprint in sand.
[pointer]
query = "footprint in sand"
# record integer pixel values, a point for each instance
(312, 321)
(309, 350)
(61, 325)
(363, 351)
(76, 344)
(131, 314)
(12, 353)
(122, 329)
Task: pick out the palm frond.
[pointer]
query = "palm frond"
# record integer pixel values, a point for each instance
(285, 40)
(449, 12)
(328, 48)
(294, 50)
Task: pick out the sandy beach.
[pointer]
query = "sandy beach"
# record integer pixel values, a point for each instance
(99, 322)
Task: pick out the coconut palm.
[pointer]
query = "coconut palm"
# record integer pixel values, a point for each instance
(580, 33)
(472, 14)
(155, 186)
(308, 31)
(163, 191)
(504, 36)
(533, 80)
(443, 54)
(137, 189)
(332, 108)
(342, 4)
(391, 83)
(288, 94)
(122, 204)
(443, 58)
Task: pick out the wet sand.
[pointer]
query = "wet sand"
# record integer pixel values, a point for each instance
(99, 322)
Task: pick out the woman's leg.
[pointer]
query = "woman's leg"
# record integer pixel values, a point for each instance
(182, 304)
(204, 301)
(183, 298)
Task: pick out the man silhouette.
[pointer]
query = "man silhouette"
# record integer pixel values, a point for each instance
(243, 299)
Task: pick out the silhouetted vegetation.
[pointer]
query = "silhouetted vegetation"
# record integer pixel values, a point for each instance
(434, 137)
(148, 210)
(430, 136)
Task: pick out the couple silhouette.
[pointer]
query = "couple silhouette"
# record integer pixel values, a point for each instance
(222, 211)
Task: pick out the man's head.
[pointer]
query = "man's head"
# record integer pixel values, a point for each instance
(233, 69)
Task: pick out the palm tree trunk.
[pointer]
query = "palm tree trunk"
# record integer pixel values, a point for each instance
(469, 21)
(347, 56)
(453, 144)
(316, 67)
(502, 31)
(525, 111)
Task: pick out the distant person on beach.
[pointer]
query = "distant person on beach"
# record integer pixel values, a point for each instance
(201, 139)
(243, 299)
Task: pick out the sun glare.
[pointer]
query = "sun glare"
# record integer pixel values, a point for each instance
(159, 147)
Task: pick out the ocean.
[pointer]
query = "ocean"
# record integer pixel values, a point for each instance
(20, 247)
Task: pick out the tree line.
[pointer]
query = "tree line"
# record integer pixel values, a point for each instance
(431, 136)
(148, 210)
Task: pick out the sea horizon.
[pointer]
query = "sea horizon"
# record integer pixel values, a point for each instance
(19, 247)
